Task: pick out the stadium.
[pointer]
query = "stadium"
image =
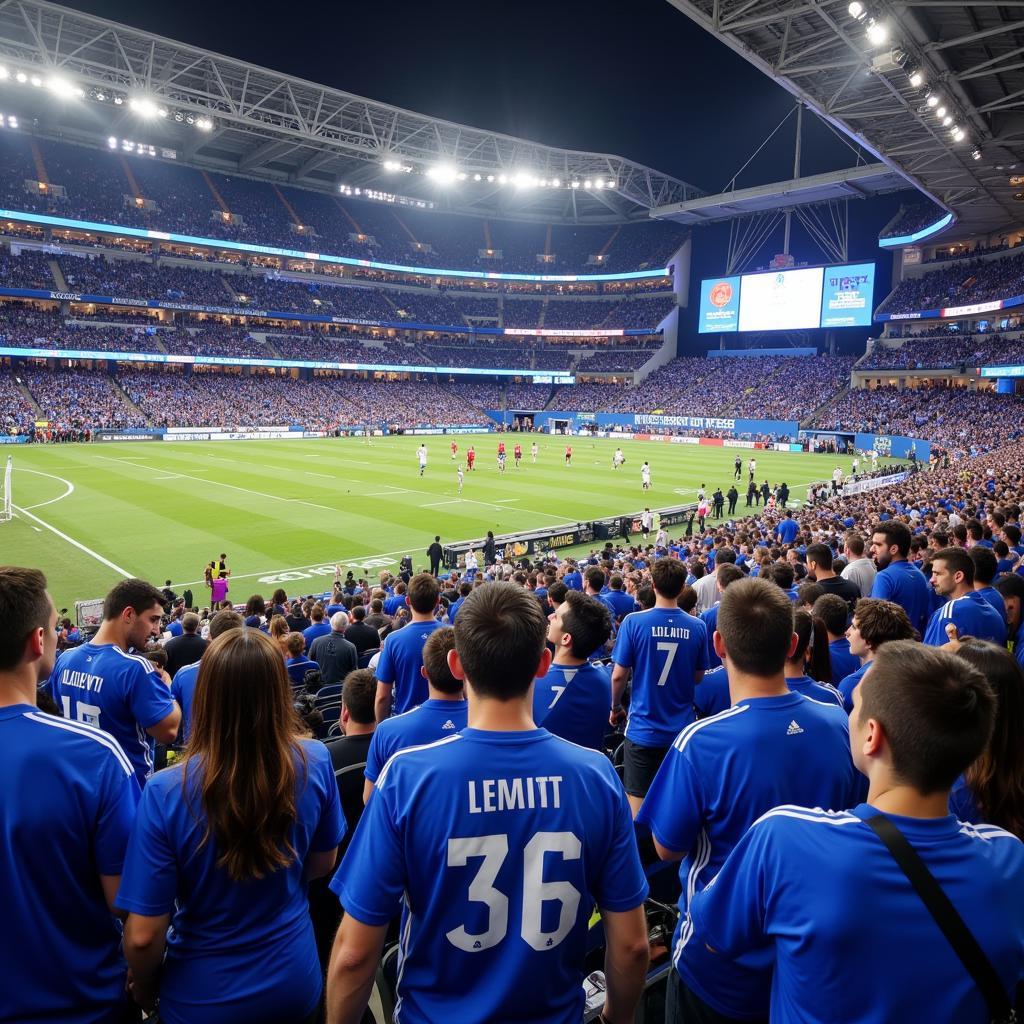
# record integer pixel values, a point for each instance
(289, 374)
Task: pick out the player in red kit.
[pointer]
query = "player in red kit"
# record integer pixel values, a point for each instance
(517, 454)
(470, 456)
(455, 449)
(501, 448)
(568, 454)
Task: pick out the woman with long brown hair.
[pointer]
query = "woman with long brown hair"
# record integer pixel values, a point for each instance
(809, 667)
(991, 791)
(222, 848)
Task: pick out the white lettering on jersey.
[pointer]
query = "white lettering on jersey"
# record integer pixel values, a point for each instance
(489, 795)
(81, 680)
(672, 632)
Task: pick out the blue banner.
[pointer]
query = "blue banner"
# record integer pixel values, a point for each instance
(893, 445)
(847, 295)
(653, 423)
(13, 439)
(719, 306)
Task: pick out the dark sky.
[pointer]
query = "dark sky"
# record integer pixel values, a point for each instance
(634, 78)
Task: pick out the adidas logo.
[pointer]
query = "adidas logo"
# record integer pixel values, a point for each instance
(451, 725)
(793, 729)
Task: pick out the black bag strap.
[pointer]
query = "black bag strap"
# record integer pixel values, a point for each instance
(958, 935)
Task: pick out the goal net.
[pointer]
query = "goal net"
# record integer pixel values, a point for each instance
(5, 493)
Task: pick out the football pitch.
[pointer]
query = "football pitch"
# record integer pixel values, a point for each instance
(286, 511)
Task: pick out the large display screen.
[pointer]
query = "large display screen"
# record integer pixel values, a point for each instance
(846, 296)
(719, 305)
(805, 298)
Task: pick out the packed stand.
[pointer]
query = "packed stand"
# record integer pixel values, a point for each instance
(958, 285)
(914, 218)
(80, 399)
(945, 351)
(29, 269)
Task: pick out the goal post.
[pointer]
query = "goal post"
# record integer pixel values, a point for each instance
(6, 508)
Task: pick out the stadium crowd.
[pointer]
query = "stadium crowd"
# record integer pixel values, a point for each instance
(845, 664)
(959, 284)
(935, 352)
(913, 218)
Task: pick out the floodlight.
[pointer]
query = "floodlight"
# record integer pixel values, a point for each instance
(556, 183)
(112, 142)
(975, 154)
(462, 175)
(36, 81)
(4, 73)
(599, 183)
(144, 107)
(502, 179)
(940, 113)
(477, 177)
(916, 79)
(588, 184)
(856, 9)
(118, 100)
(877, 33)
(958, 134)
(612, 183)
(204, 124)
(490, 177)
(21, 77)
(947, 121)
(575, 184)
(443, 174)
(932, 99)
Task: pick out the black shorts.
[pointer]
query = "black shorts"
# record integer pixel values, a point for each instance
(640, 765)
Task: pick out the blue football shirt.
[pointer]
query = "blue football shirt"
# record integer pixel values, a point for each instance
(710, 620)
(183, 689)
(849, 684)
(430, 721)
(69, 802)
(972, 615)
(237, 950)
(824, 692)
(121, 693)
(825, 893)
(995, 599)
(318, 629)
(401, 659)
(843, 662)
(573, 702)
(720, 776)
(712, 693)
(665, 648)
(498, 845)
(787, 531)
(905, 585)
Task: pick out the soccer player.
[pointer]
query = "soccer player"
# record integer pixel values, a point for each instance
(665, 649)
(102, 684)
(455, 449)
(645, 476)
(572, 700)
(461, 477)
(645, 523)
(856, 464)
(501, 449)
(773, 746)
(517, 454)
(399, 680)
(618, 458)
(752, 468)
(65, 819)
(421, 454)
(568, 454)
(898, 580)
(965, 608)
(501, 462)
(533, 451)
(441, 714)
(811, 888)
(874, 459)
(470, 457)
(497, 842)
(737, 468)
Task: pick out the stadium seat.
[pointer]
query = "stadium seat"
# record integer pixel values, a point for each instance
(364, 658)
(327, 693)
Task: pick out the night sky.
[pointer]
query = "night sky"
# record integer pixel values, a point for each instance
(638, 79)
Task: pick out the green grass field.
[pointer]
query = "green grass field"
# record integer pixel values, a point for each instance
(287, 511)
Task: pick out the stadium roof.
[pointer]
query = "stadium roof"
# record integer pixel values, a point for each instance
(856, 183)
(969, 54)
(269, 125)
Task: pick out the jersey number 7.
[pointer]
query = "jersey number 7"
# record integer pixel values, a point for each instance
(670, 656)
(494, 851)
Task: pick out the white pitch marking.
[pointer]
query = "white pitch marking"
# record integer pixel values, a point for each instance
(67, 483)
(75, 543)
(324, 476)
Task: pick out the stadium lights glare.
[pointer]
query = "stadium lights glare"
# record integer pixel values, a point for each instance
(877, 33)
(947, 121)
(916, 79)
(4, 73)
(958, 134)
(477, 177)
(574, 184)
(144, 107)
(588, 184)
(940, 113)
(490, 177)
(36, 81)
(502, 179)
(443, 174)
(112, 142)
(21, 77)
(856, 10)
(932, 99)
(556, 183)
(204, 124)
(62, 87)
(975, 154)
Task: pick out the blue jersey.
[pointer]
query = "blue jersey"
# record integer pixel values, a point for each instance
(401, 659)
(722, 774)
(710, 620)
(787, 531)
(995, 599)
(905, 585)
(972, 615)
(573, 580)
(809, 687)
(236, 950)
(573, 702)
(849, 684)
(499, 844)
(183, 688)
(619, 603)
(430, 721)
(843, 662)
(121, 693)
(824, 892)
(665, 648)
(712, 693)
(962, 803)
(69, 801)
(316, 630)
